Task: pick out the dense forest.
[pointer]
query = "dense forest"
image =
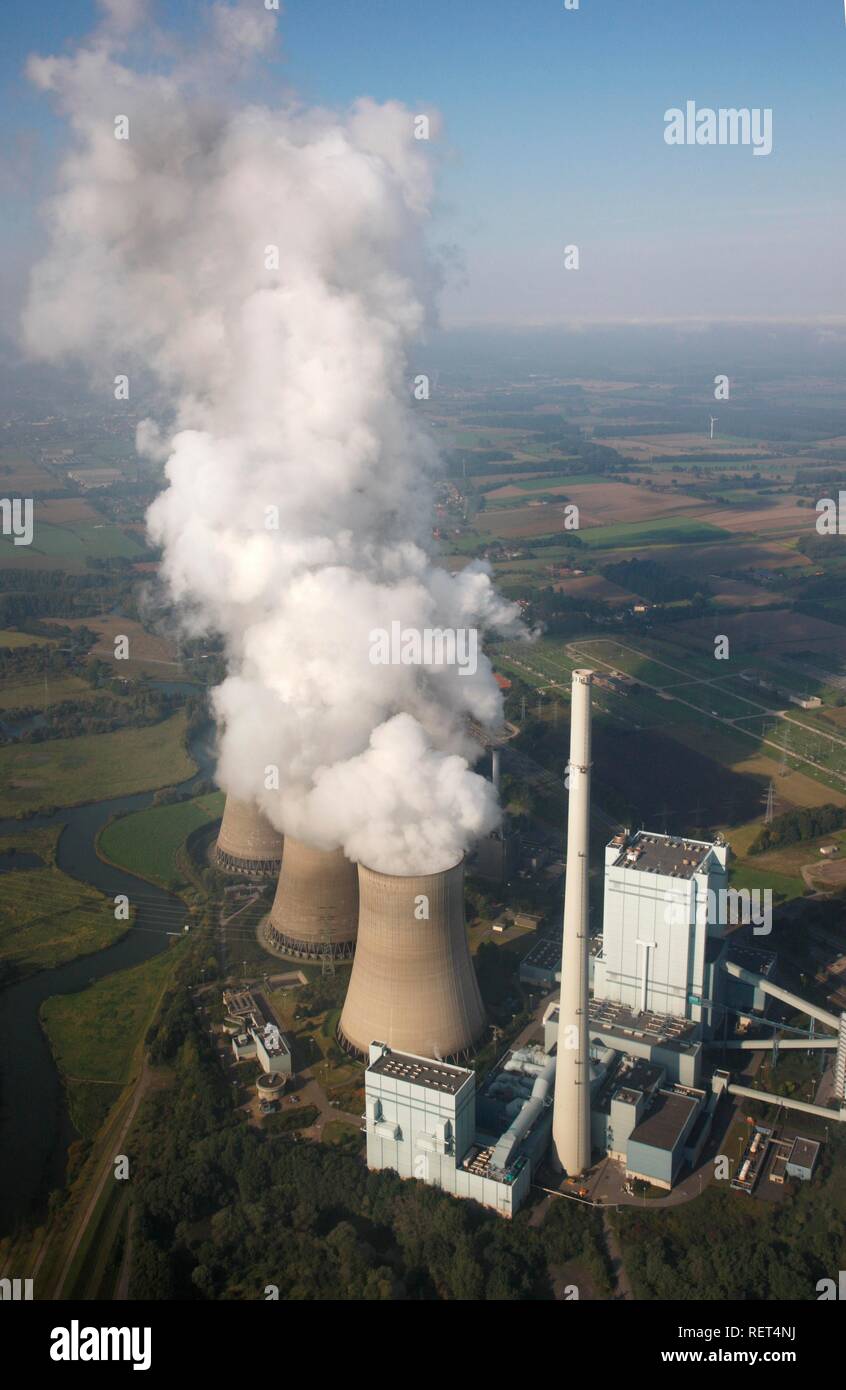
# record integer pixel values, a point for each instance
(805, 823)
(654, 581)
(754, 1249)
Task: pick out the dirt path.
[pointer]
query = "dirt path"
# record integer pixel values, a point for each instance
(142, 1086)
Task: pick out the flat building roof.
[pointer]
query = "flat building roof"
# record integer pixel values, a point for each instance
(664, 1124)
(661, 854)
(421, 1071)
(804, 1153)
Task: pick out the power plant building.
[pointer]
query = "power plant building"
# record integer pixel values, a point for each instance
(256, 1032)
(663, 926)
(247, 843)
(421, 1121)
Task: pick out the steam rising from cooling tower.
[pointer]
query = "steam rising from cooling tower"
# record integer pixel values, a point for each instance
(268, 265)
(315, 911)
(412, 985)
(571, 1113)
(247, 843)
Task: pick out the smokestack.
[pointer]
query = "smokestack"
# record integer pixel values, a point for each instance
(571, 1114)
(412, 985)
(495, 768)
(247, 843)
(315, 910)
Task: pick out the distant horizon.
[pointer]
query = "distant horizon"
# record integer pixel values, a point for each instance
(548, 132)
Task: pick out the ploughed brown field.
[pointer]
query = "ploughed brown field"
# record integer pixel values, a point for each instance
(737, 593)
(595, 588)
(668, 445)
(522, 522)
(784, 517)
(700, 561)
(771, 632)
(607, 504)
(59, 511)
(145, 648)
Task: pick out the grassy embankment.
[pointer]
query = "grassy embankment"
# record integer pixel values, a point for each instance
(98, 1037)
(94, 767)
(47, 917)
(94, 1036)
(148, 842)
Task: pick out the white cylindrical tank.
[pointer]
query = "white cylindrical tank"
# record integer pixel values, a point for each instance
(413, 985)
(247, 843)
(315, 910)
(571, 1148)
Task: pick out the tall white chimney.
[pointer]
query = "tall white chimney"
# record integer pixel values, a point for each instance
(571, 1112)
(495, 768)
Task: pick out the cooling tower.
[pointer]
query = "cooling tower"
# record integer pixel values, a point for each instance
(571, 1113)
(315, 911)
(247, 843)
(412, 985)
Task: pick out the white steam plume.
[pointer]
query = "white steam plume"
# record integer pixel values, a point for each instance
(268, 264)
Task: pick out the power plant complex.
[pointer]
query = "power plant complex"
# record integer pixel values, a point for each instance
(619, 1071)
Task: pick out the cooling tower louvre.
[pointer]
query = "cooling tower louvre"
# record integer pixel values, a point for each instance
(247, 843)
(412, 985)
(315, 910)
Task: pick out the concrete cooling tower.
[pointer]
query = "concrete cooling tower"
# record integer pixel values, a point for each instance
(315, 911)
(247, 843)
(412, 985)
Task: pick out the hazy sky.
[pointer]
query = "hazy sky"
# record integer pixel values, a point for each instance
(553, 134)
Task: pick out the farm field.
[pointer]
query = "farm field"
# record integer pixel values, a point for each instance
(47, 917)
(662, 531)
(10, 639)
(694, 711)
(521, 523)
(72, 543)
(613, 504)
(22, 476)
(147, 842)
(70, 771)
(41, 693)
(149, 654)
(647, 446)
(772, 634)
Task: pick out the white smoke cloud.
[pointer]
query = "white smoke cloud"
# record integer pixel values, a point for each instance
(269, 265)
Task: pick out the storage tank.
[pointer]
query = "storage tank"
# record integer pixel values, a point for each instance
(315, 910)
(413, 985)
(247, 843)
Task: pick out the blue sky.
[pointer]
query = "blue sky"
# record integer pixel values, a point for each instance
(554, 135)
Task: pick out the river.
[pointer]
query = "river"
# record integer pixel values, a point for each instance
(35, 1126)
